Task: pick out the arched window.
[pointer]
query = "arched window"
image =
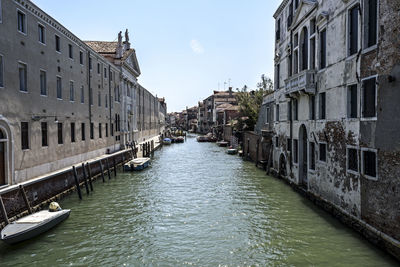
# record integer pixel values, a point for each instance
(304, 49)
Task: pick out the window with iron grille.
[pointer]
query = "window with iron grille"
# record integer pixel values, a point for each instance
(72, 132)
(60, 133)
(83, 131)
(24, 135)
(43, 125)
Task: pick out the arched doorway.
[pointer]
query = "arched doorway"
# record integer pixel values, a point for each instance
(304, 49)
(3, 157)
(303, 167)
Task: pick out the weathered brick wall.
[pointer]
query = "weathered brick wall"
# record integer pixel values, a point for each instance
(380, 199)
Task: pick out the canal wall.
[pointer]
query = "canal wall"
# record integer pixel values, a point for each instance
(368, 231)
(42, 190)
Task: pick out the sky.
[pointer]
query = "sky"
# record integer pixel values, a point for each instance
(185, 48)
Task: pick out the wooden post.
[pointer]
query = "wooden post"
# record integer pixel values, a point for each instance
(22, 189)
(90, 176)
(77, 182)
(108, 169)
(3, 210)
(85, 179)
(102, 171)
(115, 167)
(257, 150)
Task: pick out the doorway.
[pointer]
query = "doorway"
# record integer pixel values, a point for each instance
(3, 146)
(303, 156)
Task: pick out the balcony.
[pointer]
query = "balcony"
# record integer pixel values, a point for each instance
(303, 82)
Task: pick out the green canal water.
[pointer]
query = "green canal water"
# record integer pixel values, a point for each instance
(195, 206)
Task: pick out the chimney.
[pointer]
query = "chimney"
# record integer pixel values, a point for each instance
(230, 91)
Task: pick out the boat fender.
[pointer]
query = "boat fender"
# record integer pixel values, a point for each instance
(54, 206)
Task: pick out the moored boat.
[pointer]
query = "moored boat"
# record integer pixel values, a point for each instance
(32, 225)
(179, 139)
(202, 139)
(137, 164)
(167, 141)
(222, 143)
(231, 151)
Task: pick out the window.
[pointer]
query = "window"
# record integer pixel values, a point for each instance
(59, 88)
(322, 49)
(369, 163)
(312, 156)
(296, 109)
(369, 98)
(43, 83)
(100, 136)
(71, 91)
(1, 72)
(24, 135)
(99, 99)
(1, 14)
(21, 22)
(105, 73)
(289, 111)
(312, 53)
(112, 129)
(22, 77)
(60, 133)
(268, 115)
(91, 130)
(111, 76)
(352, 101)
(304, 49)
(82, 94)
(90, 63)
(278, 30)
(277, 112)
(312, 107)
(353, 30)
(295, 151)
(105, 100)
(41, 32)
(44, 133)
(98, 68)
(106, 129)
(322, 106)
(277, 78)
(296, 62)
(352, 159)
(276, 141)
(322, 152)
(83, 131)
(370, 22)
(70, 51)
(81, 57)
(58, 44)
(72, 132)
(289, 145)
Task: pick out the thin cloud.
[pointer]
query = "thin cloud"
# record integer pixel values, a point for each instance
(196, 46)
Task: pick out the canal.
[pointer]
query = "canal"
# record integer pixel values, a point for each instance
(195, 206)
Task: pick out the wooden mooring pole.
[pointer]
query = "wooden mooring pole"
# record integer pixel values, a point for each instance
(115, 167)
(85, 179)
(77, 182)
(3, 211)
(108, 169)
(102, 171)
(28, 205)
(90, 176)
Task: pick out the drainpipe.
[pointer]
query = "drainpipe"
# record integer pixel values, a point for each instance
(90, 93)
(110, 102)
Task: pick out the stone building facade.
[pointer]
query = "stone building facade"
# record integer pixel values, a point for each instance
(333, 115)
(61, 102)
